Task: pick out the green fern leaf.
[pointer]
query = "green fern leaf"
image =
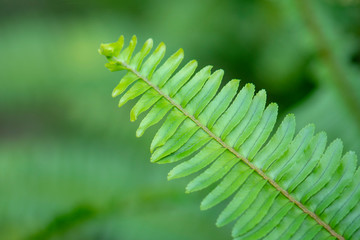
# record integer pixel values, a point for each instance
(284, 186)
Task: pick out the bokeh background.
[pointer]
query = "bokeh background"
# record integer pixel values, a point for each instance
(70, 164)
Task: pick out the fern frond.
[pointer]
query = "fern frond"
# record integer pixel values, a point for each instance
(284, 186)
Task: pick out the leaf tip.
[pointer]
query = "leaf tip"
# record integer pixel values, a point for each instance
(153, 160)
(121, 102)
(274, 105)
(181, 52)
(161, 46)
(220, 222)
(235, 82)
(262, 93)
(338, 142)
(149, 41)
(156, 156)
(204, 206)
(116, 92)
(250, 87)
(219, 73)
(290, 117)
(170, 176)
(111, 49)
(139, 132)
(152, 147)
(188, 188)
(133, 116)
(121, 39)
(194, 63)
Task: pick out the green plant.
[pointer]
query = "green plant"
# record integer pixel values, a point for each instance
(284, 186)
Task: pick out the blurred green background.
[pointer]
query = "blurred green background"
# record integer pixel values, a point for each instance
(70, 164)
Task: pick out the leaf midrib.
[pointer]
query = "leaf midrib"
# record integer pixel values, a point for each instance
(233, 151)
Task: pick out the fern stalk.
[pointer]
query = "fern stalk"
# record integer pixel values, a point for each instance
(326, 54)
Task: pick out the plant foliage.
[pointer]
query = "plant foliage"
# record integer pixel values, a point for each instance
(283, 184)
